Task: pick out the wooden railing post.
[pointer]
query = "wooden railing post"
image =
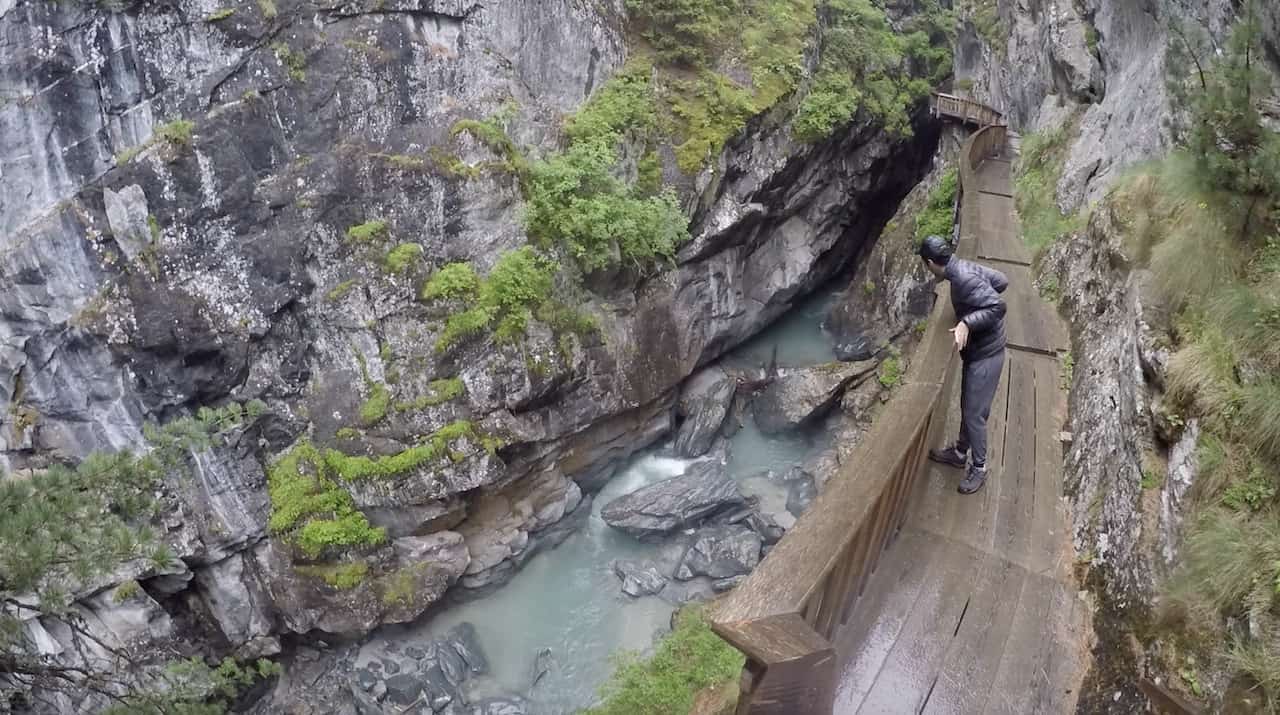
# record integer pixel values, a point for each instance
(786, 615)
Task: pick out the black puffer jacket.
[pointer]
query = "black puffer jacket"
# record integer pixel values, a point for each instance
(975, 296)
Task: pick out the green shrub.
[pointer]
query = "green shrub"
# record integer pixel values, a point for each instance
(688, 659)
(126, 591)
(308, 508)
(831, 103)
(294, 61)
(400, 258)
(490, 132)
(708, 112)
(682, 31)
(435, 447)
(576, 202)
(890, 373)
(368, 231)
(868, 65)
(340, 291)
(343, 576)
(220, 15)
(176, 133)
(374, 409)
(624, 104)
(519, 282)
(440, 392)
(452, 281)
(936, 218)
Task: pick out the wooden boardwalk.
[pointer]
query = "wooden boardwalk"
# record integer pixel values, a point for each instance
(973, 607)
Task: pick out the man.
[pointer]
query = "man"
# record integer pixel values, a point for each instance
(979, 336)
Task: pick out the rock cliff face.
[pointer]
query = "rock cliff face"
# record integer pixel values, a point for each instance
(178, 185)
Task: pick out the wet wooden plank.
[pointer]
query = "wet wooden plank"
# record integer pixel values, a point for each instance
(995, 176)
(881, 613)
(1049, 548)
(1012, 537)
(973, 657)
(1040, 671)
(999, 237)
(907, 674)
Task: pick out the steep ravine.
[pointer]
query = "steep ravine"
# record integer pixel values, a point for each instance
(152, 267)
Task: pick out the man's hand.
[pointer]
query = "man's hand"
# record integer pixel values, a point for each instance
(961, 334)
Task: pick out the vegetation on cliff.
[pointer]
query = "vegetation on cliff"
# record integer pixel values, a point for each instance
(65, 527)
(1206, 220)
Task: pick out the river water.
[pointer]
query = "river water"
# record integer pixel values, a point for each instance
(568, 600)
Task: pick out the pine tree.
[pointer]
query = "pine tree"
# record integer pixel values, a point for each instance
(66, 525)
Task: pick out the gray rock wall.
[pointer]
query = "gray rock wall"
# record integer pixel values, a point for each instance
(153, 267)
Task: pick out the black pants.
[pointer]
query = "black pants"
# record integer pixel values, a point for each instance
(979, 381)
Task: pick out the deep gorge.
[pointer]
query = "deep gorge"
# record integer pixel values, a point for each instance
(239, 206)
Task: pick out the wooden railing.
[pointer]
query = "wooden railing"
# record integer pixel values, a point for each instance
(963, 109)
(785, 615)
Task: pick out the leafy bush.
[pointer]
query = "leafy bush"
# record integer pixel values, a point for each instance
(452, 281)
(177, 132)
(368, 231)
(576, 202)
(308, 507)
(374, 409)
(682, 31)
(400, 258)
(937, 217)
(867, 65)
(688, 659)
(441, 391)
(708, 111)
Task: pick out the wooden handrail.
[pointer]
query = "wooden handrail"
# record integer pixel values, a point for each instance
(784, 616)
(967, 111)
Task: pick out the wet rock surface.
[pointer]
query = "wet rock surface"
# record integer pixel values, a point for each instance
(704, 404)
(721, 552)
(662, 508)
(799, 396)
(639, 579)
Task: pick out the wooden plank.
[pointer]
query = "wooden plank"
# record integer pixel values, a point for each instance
(904, 680)
(1000, 238)
(866, 640)
(1041, 668)
(797, 565)
(1049, 547)
(1012, 537)
(994, 177)
(973, 657)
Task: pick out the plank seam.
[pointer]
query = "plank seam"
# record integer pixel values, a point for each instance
(1010, 261)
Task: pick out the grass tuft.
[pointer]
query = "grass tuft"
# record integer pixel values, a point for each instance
(688, 659)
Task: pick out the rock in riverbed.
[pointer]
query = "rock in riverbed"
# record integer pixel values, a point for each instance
(704, 403)
(675, 503)
(800, 396)
(721, 552)
(639, 579)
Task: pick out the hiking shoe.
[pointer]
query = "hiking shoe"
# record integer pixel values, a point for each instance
(973, 480)
(949, 456)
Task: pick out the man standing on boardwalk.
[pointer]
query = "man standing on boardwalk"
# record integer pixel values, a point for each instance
(979, 336)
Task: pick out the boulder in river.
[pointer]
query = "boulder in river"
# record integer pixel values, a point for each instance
(705, 400)
(675, 503)
(721, 552)
(639, 579)
(800, 396)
